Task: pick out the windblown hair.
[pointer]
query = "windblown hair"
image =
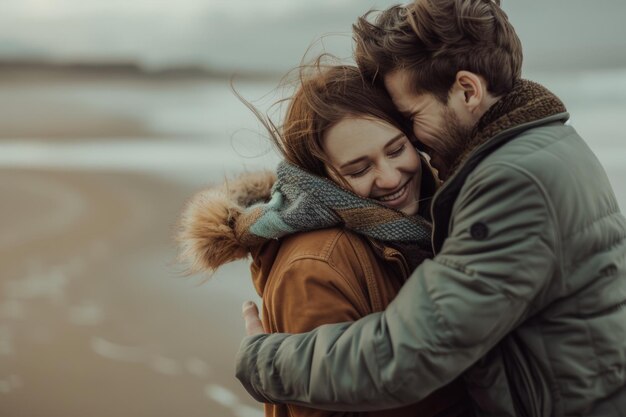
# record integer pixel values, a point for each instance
(435, 39)
(208, 230)
(326, 93)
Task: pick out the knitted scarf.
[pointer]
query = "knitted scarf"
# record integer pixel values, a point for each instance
(301, 201)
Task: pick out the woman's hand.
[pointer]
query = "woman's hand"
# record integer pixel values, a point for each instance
(250, 314)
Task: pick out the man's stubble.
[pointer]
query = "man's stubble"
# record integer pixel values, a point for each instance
(452, 141)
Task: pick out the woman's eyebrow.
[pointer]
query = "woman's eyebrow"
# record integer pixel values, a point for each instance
(353, 162)
(394, 139)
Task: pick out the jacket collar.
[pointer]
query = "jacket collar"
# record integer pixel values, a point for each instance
(529, 105)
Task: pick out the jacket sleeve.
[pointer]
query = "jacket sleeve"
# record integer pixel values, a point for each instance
(450, 312)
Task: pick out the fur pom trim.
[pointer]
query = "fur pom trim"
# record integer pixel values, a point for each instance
(207, 233)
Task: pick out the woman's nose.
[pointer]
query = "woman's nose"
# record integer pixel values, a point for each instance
(388, 178)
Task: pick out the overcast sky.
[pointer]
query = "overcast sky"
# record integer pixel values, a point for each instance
(274, 34)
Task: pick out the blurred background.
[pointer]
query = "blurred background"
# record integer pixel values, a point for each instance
(113, 113)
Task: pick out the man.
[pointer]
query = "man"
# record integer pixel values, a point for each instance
(526, 297)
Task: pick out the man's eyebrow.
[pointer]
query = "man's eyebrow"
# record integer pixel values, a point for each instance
(362, 158)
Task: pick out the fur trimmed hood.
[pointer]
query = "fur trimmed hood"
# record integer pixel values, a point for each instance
(208, 234)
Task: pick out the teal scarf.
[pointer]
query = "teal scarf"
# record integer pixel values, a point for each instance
(301, 201)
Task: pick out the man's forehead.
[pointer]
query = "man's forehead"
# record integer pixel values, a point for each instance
(398, 85)
(397, 80)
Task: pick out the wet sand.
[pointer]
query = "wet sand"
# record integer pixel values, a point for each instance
(95, 318)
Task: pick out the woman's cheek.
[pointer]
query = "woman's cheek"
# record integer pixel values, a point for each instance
(412, 161)
(360, 186)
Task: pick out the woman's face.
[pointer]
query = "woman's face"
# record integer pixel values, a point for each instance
(377, 160)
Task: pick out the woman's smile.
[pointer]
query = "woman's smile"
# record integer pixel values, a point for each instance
(397, 198)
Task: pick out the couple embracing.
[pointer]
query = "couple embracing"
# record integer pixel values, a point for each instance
(460, 243)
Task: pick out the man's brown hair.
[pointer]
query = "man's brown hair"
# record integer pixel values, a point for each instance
(435, 39)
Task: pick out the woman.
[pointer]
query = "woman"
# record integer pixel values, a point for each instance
(339, 229)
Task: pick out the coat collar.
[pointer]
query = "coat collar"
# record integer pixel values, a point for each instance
(529, 105)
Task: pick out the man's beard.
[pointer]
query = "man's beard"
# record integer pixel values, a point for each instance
(451, 143)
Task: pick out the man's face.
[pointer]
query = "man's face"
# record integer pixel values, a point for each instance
(435, 124)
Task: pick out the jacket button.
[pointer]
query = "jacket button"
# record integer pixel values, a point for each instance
(479, 231)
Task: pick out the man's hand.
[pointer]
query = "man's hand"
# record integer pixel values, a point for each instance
(250, 314)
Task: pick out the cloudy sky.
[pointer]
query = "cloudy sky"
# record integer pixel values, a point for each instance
(274, 34)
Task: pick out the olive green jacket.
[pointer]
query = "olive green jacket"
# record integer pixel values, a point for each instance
(526, 296)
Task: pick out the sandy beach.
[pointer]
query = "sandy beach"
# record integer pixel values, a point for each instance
(95, 317)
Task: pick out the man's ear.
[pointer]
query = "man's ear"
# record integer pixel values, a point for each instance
(469, 90)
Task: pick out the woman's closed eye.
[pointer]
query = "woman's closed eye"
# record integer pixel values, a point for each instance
(391, 154)
(359, 173)
(397, 151)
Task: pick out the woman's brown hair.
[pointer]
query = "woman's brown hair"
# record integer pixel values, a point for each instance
(325, 95)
